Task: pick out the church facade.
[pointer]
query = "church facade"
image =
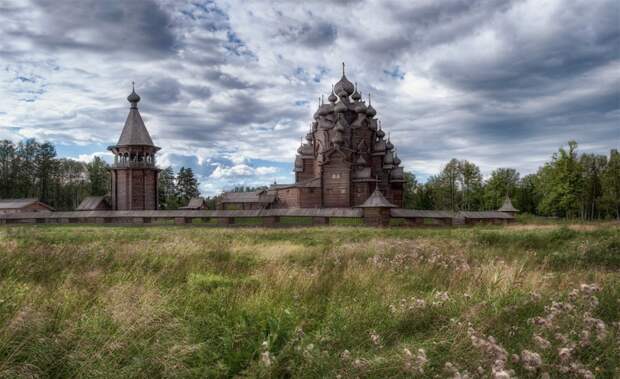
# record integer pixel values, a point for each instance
(134, 171)
(345, 156)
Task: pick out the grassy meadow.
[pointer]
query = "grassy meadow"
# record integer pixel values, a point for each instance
(533, 301)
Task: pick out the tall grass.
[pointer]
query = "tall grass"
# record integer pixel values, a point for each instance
(188, 302)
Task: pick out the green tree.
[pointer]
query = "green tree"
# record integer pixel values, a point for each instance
(167, 189)
(611, 184)
(26, 169)
(98, 177)
(7, 169)
(409, 190)
(592, 168)
(561, 183)
(471, 185)
(187, 185)
(423, 198)
(45, 164)
(447, 188)
(502, 182)
(526, 198)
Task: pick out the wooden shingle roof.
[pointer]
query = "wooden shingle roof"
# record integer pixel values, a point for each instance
(507, 206)
(248, 197)
(376, 200)
(485, 215)
(20, 203)
(91, 203)
(194, 203)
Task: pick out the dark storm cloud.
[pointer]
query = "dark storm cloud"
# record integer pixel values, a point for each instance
(310, 34)
(423, 25)
(162, 91)
(225, 80)
(135, 27)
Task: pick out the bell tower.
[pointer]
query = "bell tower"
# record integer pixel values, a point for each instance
(134, 172)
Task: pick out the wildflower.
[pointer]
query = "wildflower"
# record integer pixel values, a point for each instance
(375, 338)
(299, 332)
(541, 342)
(408, 353)
(584, 338)
(441, 297)
(265, 358)
(502, 374)
(359, 364)
(531, 360)
(589, 289)
(421, 360)
(585, 374)
(449, 368)
(564, 353)
(561, 338)
(415, 364)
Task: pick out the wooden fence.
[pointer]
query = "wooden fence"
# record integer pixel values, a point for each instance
(264, 217)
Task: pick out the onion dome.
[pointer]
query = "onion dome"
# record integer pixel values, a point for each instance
(380, 133)
(332, 96)
(344, 87)
(360, 107)
(133, 97)
(389, 145)
(389, 159)
(370, 111)
(397, 174)
(379, 147)
(340, 107)
(396, 159)
(309, 136)
(356, 95)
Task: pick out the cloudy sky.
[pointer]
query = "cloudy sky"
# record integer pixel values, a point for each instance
(228, 87)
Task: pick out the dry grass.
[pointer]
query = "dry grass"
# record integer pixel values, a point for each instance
(319, 302)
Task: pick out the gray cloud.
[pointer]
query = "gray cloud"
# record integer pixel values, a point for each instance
(310, 34)
(134, 27)
(227, 83)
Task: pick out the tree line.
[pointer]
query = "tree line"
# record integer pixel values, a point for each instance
(176, 190)
(31, 169)
(570, 185)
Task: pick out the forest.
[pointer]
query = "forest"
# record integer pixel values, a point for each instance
(570, 184)
(32, 169)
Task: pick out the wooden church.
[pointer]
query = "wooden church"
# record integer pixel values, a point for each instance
(134, 171)
(345, 157)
